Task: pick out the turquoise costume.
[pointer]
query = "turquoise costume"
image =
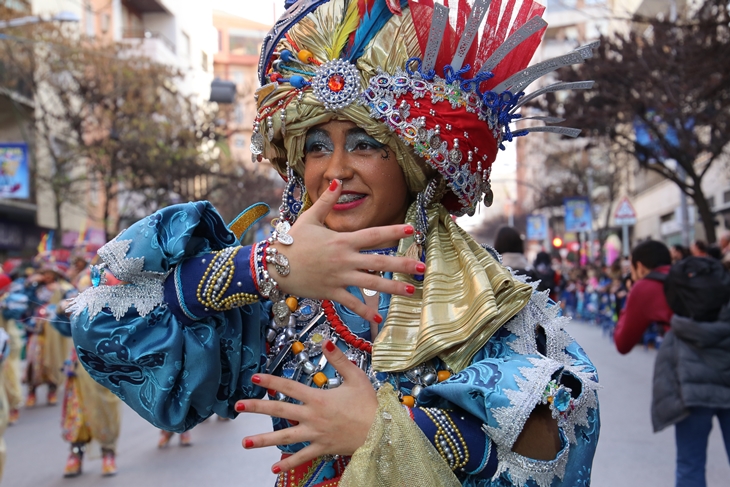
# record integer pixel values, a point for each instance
(176, 372)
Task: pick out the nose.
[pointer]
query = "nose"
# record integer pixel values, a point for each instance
(339, 165)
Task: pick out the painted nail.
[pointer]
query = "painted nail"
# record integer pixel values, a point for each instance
(410, 289)
(378, 319)
(409, 230)
(334, 184)
(256, 379)
(421, 268)
(329, 346)
(276, 469)
(248, 443)
(271, 392)
(292, 422)
(240, 407)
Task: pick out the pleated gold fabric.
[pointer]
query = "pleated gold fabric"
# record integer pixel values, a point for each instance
(396, 452)
(465, 297)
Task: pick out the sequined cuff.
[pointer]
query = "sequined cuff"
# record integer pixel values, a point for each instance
(211, 283)
(458, 438)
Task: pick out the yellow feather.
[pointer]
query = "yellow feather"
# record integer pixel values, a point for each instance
(349, 24)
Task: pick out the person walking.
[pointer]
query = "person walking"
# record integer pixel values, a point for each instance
(691, 383)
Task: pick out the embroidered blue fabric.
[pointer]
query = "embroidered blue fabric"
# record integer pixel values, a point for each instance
(176, 372)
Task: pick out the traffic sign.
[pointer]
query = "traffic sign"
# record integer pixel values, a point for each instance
(625, 213)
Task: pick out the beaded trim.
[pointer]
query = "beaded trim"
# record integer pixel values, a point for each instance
(180, 295)
(448, 440)
(216, 281)
(339, 327)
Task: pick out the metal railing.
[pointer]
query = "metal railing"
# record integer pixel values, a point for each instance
(147, 34)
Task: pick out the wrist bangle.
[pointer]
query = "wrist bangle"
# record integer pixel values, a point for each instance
(267, 285)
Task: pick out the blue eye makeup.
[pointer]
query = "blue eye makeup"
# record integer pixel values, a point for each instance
(318, 141)
(360, 140)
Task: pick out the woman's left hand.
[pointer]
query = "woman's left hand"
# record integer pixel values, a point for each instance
(333, 421)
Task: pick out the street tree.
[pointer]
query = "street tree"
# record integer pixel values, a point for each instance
(662, 97)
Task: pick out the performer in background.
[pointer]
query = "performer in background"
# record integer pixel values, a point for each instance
(394, 349)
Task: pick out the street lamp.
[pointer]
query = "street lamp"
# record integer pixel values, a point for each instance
(63, 16)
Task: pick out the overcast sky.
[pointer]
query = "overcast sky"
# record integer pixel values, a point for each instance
(264, 11)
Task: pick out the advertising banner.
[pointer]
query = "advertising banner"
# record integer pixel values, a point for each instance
(578, 216)
(14, 171)
(537, 228)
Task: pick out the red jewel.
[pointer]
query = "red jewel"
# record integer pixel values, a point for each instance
(343, 331)
(336, 83)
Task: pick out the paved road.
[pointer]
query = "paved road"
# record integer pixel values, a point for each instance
(628, 454)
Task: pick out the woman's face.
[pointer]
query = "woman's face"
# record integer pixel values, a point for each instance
(374, 191)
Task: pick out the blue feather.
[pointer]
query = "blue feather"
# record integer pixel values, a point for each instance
(369, 28)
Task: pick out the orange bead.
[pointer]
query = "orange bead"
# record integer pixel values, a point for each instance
(409, 401)
(297, 347)
(305, 56)
(320, 379)
(292, 302)
(443, 375)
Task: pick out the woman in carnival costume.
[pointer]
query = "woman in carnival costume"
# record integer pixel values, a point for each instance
(394, 349)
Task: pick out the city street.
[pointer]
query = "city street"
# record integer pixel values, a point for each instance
(629, 454)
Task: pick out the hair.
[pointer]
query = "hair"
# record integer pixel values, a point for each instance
(509, 240)
(701, 246)
(542, 258)
(714, 251)
(684, 251)
(651, 254)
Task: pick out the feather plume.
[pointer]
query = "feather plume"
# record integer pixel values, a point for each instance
(369, 27)
(348, 25)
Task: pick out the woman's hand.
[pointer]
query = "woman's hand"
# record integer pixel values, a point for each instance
(333, 421)
(324, 262)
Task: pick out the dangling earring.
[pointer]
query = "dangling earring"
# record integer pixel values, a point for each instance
(291, 206)
(417, 249)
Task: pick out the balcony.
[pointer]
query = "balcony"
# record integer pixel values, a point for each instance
(153, 45)
(147, 6)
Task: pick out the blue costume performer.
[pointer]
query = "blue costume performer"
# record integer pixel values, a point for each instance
(394, 349)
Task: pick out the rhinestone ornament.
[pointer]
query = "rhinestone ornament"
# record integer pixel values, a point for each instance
(336, 84)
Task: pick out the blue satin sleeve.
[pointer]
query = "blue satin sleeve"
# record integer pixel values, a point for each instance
(174, 372)
(506, 380)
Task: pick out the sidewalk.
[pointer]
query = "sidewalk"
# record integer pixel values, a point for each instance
(629, 454)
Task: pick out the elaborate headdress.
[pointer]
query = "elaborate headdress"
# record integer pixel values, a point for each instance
(399, 66)
(441, 87)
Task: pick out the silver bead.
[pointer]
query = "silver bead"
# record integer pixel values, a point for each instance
(308, 368)
(280, 397)
(334, 382)
(292, 322)
(275, 324)
(429, 378)
(301, 357)
(270, 335)
(290, 334)
(416, 390)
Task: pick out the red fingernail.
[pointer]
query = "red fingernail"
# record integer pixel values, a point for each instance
(409, 230)
(410, 289)
(248, 443)
(334, 184)
(378, 319)
(256, 379)
(292, 422)
(240, 407)
(271, 392)
(276, 469)
(329, 346)
(421, 268)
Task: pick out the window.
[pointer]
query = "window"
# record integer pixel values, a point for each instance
(726, 196)
(711, 201)
(185, 46)
(667, 218)
(89, 18)
(204, 61)
(245, 42)
(105, 20)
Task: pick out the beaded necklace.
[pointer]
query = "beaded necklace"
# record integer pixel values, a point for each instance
(343, 330)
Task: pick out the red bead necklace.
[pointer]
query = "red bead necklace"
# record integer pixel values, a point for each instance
(342, 330)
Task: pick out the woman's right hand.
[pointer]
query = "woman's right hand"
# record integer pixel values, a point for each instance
(324, 262)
